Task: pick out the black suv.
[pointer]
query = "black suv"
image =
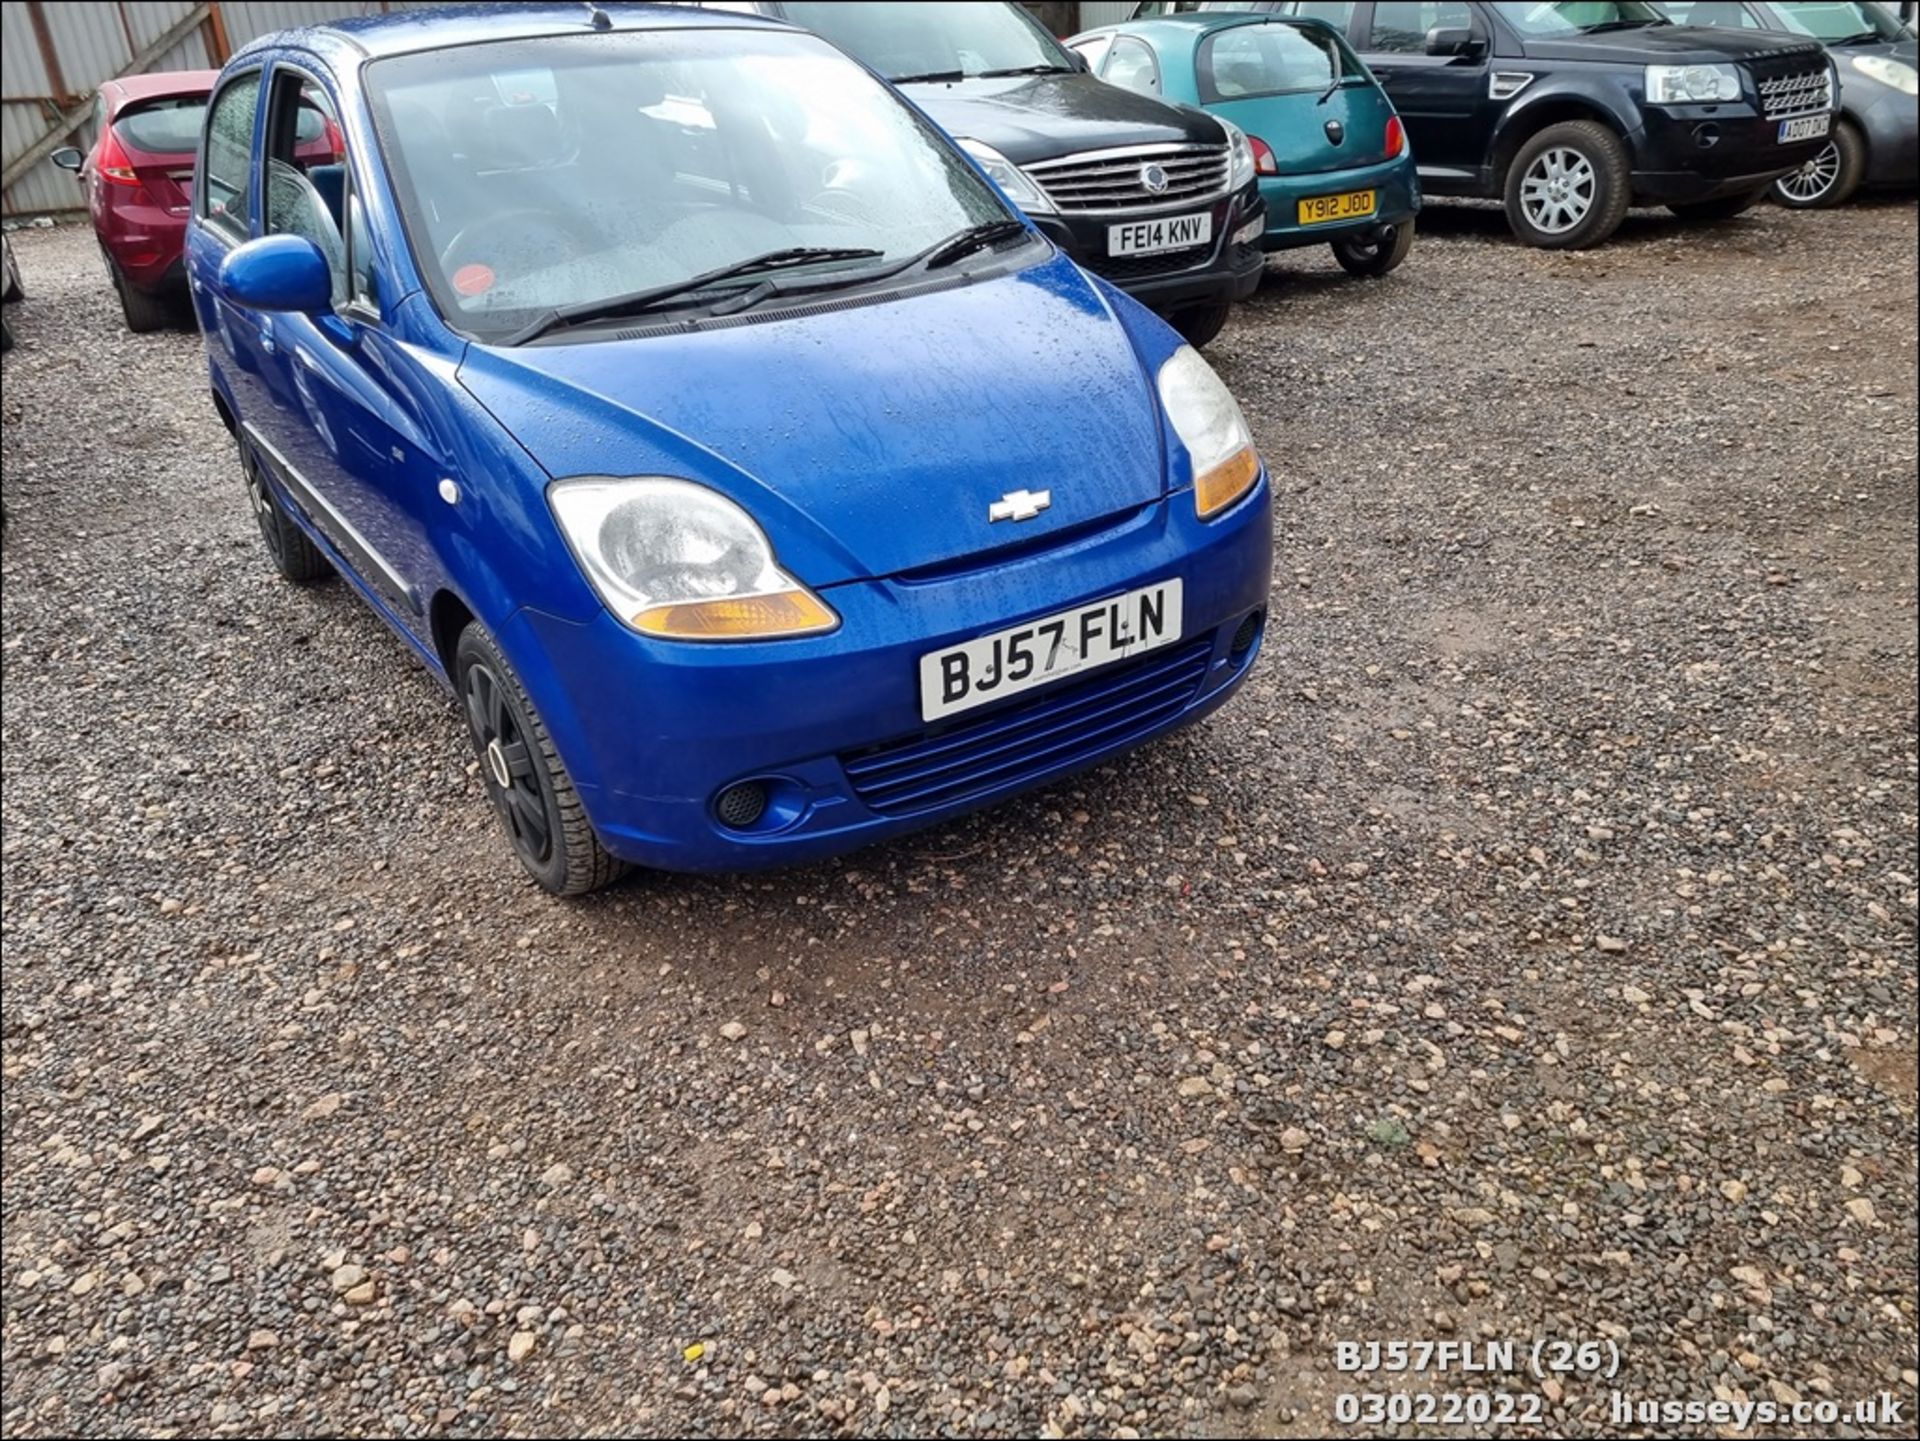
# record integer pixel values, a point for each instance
(1570, 112)
(1158, 198)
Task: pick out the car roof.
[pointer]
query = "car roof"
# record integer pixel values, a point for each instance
(440, 27)
(163, 82)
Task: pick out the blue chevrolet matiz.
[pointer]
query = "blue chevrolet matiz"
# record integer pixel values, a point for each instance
(758, 480)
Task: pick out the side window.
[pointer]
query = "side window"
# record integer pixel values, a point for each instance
(1339, 16)
(1093, 51)
(307, 175)
(1400, 26)
(1716, 14)
(1131, 65)
(229, 164)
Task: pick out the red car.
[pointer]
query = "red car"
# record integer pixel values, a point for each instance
(139, 179)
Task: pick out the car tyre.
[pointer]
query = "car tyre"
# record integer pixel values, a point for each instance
(1198, 324)
(531, 792)
(1724, 208)
(143, 312)
(1831, 177)
(1374, 255)
(1569, 187)
(294, 556)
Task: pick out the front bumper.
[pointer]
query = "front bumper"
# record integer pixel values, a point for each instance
(1688, 153)
(1396, 183)
(651, 732)
(1222, 271)
(1890, 122)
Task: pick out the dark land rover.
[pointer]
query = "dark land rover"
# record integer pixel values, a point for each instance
(1158, 198)
(1569, 111)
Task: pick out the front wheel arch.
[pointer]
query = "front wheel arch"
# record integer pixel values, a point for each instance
(1521, 124)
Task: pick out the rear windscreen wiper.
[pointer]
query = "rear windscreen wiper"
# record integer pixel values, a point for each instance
(637, 302)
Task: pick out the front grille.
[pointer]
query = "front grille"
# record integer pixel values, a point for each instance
(1115, 181)
(1057, 728)
(1800, 83)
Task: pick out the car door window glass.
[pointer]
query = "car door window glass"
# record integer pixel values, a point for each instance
(307, 172)
(1339, 16)
(1132, 67)
(1400, 26)
(1713, 14)
(1093, 51)
(229, 164)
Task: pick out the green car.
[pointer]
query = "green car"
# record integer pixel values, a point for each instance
(1331, 154)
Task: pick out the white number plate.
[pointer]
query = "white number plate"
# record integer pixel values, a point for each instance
(1042, 651)
(1169, 232)
(1807, 127)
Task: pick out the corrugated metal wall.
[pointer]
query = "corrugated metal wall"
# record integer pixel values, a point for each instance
(92, 41)
(1103, 12)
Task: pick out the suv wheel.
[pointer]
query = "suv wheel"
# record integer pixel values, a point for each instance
(1371, 256)
(1198, 324)
(1830, 178)
(294, 556)
(530, 790)
(1569, 186)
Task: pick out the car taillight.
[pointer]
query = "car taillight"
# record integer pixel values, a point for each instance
(1263, 161)
(1396, 136)
(336, 138)
(114, 166)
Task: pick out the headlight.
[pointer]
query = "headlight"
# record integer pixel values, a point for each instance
(1691, 84)
(1239, 153)
(674, 559)
(1010, 178)
(1888, 71)
(1208, 421)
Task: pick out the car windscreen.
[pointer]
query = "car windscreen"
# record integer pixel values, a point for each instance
(936, 39)
(661, 155)
(1838, 21)
(1271, 59)
(1576, 17)
(166, 126)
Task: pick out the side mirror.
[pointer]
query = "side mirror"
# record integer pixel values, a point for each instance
(1453, 40)
(278, 272)
(67, 158)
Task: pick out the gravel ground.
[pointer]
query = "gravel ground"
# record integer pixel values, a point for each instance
(1528, 952)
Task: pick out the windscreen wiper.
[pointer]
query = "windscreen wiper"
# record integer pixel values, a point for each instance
(930, 78)
(1607, 25)
(1864, 37)
(1026, 70)
(637, 302)
(941, 252)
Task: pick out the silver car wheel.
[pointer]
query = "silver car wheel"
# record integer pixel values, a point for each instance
(1815, 178)
(1558, 190)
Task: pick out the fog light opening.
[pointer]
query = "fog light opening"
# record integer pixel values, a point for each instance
(1245, 636)
(741, 805)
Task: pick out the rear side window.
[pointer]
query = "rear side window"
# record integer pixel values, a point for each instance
(1269, 60)
(225, 176)
(163, 127)
(1400, 26)
(1132, 66)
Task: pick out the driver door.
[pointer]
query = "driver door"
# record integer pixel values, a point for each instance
(342, 432)
(1442, 99)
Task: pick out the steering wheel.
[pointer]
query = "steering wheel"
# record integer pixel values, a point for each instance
(465, 247)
